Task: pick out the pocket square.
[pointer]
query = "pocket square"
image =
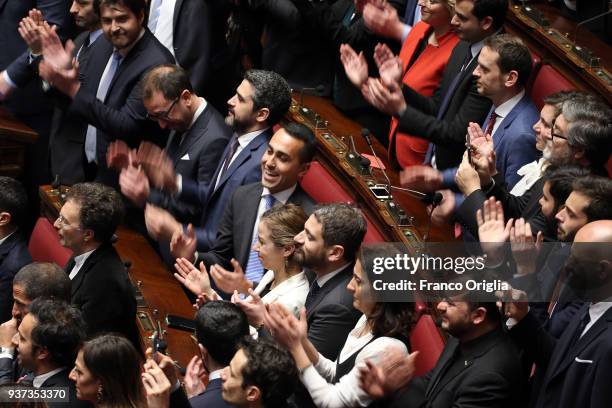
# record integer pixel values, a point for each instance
(185, 157)
(579, 360)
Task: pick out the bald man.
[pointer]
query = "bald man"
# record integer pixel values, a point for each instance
(576, 367)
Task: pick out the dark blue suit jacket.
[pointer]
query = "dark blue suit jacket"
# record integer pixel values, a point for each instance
(195, 158)
(122, 115)
(245, 169)
(211, 398)
(514, 140)
(13, 256)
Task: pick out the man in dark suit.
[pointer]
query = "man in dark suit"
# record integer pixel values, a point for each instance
(13, 247)
(193, 151)
(261, 100)
(101, 288)
(479, 366)
(27, 101)
(287, 158)
(47, 343)
(33, 281)
(106, 103)
(577, 364)
(443, 118)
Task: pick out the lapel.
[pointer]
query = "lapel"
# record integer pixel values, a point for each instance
(7, 246)
(133, 55)
(443, 361)
(562, 347)
(592, 334)
(243, 156)
(507, 121)
(2, 4)
(89, 263)
(328, 287)
(248, 217)
(99, 53)
(407, 53)
(194, 134)
(177, 12)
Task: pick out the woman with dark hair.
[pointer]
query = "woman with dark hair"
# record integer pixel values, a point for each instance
(384, 327)
(107, 373)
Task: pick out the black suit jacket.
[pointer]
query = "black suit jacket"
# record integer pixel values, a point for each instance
(575, 376)
(211, 397)
(236, 227)
(104, 294)
(489, 376)
(13, 256)
(195, 158)
(121, 116)
(466, 105)
(61, 380)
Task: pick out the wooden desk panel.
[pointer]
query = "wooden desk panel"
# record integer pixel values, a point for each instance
(161, 292)
(14, 138)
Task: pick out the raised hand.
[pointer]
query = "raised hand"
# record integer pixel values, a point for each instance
(158, 166)
(160, 224)
(514, 302)
(441, 214)
(382, 19)
(157, 386)
(204, 298)
(286, 329)
(393, 372)
(493, 232)
(29, 30)
(389, 66)
(525, 249)
(194, 279)
(229, 281)
(422, 178)
(195, 377)
(355, 66)
(135, 185)
(184, 245)
(389, 100)
(467, 178)
(252, 306)
(119, 156)
(483, 153)
(8, 330)
(53, 51)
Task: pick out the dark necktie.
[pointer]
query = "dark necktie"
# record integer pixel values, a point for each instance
(312, 293)
(230, 154)
(491, 123)
(584, 320)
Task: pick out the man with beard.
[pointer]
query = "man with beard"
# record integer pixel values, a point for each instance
(261, 100)
(580, 136)
(576, 366)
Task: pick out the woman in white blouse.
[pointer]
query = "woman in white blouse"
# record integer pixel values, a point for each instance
(382, 328)
(284, 282)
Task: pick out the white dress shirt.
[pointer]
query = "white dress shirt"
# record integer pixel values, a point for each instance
(164, 30)
(38, 381)
(79, 260)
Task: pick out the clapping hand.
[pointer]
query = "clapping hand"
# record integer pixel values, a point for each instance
(119, 156)
(395, 371)
(183, 245)
(286, 329)
(195, 377)
(158, 166)
(467, 178)
(161, 225)
(422, 178)
(229, 281)
(355, 66)
(492, 231)
(29, 30)
(194, 279)
(389, 100)
(389, 66)
(381, 18)
(157, 386)
(252, 306)
(525, 248)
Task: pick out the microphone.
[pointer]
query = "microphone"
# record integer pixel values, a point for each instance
(365, 132)
(317, 90)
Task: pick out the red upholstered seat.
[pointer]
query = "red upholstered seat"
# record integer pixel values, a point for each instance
(323, 188)
(426, 339)
(548, 81)
(45, 245)
(536, 64)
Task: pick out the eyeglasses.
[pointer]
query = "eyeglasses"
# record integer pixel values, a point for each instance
(63, 222)
(164, 115)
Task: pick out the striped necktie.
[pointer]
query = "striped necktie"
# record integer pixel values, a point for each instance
(254, 270)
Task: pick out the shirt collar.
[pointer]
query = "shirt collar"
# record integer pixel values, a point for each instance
(125, 51)
(477, 46)
(505, 108)
(327, 277)
(596, 310)
(79, 260)
(38, 381)
(7, 237)
(215, 374)
(281, 196)
(198, 111)
(93, 36)
(244, 140)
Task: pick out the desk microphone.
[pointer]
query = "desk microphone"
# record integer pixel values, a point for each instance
(365, 132)
(317, 90)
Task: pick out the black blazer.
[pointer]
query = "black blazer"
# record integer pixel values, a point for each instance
(61, 380)
(465, 106)
(331, 315)
(211, 397)
(121, 116)
(236, 226)
(575, 376)
(104, 294)
(488, 376)
(195, 158)
(13, 256)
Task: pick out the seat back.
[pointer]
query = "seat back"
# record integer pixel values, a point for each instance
(45, 244)
(323, 188)
(536, 64)
(548, 81)
(426, 339)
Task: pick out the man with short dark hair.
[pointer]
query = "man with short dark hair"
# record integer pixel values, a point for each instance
(197, 139)
(286, 159)
(13, 247)
(47, 343)
(104, 94)
(261, 374)
(100, 285)
(220, 326)
(261, 100)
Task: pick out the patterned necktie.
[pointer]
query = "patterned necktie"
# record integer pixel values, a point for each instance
(254, 269)
(228, 158)
(105, 82)
(491, 123)
(154, 15)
